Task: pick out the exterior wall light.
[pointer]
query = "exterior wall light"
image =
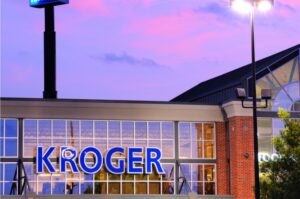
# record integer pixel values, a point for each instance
(266, 94)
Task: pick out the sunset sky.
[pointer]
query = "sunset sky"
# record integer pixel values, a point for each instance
(136, 49)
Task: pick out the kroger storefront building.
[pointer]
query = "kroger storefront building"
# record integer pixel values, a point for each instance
(201, 142)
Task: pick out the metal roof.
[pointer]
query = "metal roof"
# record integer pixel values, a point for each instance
(221, 89)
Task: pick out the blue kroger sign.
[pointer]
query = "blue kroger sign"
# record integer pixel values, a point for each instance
(43, 3)
(69, 156)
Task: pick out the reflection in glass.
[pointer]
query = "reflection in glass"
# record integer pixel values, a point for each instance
(128, 130)
(167, 130)
(11, 128)
(11, 148)
(73, 129)
(185, 149)
(184, 131)
(154, 130)
(196, 129)
(100, 129)
(167, 149)
(86, 129)
(59, 129)
(87, 188)
(208, 131)
(30, 128)
(114, 129)
(197, 149)
(141, 130)
(100, 187)
(197, 187)
(44, 129)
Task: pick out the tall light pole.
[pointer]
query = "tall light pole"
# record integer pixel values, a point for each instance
(49, 45)
(249, 6)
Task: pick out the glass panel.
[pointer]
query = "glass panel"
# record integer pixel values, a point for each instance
(265, 144)
(154, 188)
(167, 149)
(127, 143)
(9, 170)
(29, 147)
(59, 129)
(101, 175)
(198, 187)
(73, 129)
(208, 149)
(100, 129)
(44, 188)
(114, 129)
(1, 172)
(102, 145)
(185, 149)
(127, 188)
(11, 148)
(11, 128)
(87, 129)
(141, 143)
(209, 188)
(209, 173)
(141, 130)
(30, 128)
(141, 188)
(197, 172)
(185, 171)
(197, 149)
(58, 188)
(113, 176)
(72, 187)
(29, 172)
(8, 187)
(128, 130)
(114, 188)
(167, 130)
(87, 188)
(167, 187)
(208, 131)
(169, 172)
(100, 187)
(140, 176)
(154, 130)
(154, 143)
(184, 131)
(44, 129)
(196, 131)
(1, 147)
(1, 129)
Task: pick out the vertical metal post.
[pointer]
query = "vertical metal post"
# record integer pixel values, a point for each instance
(176, 174)
(20, 155)
(257, 191)
(49, 55)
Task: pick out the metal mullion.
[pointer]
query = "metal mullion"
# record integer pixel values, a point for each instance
(4, 139)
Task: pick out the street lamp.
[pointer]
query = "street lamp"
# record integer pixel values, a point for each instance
(249, 6)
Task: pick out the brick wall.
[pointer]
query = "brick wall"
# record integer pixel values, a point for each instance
(241, 168)
(222, 166)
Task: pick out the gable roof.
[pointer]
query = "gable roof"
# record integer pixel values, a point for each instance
(233, 79)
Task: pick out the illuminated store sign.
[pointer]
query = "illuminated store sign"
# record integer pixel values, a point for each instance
(43, 3)
(69, 158)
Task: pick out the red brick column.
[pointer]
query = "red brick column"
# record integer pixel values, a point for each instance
(241, 167)
(222, 165)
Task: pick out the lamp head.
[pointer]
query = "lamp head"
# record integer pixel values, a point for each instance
(265, 5)
(240, 93)
(246, 6)
(44, 3)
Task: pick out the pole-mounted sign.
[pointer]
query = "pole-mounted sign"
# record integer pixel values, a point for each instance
(49, 45)
(43, 3)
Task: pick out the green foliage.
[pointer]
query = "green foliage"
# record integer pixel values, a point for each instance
(280, 178)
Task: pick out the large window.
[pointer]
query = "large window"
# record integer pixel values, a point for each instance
(196, 140)
(196, 146)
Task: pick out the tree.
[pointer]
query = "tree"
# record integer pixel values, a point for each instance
(280, 178)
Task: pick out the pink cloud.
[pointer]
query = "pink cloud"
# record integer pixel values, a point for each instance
(90, 7)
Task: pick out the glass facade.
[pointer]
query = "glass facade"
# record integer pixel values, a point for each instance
(197, 144)
(285, 84)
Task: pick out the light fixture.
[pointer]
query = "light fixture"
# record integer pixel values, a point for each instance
(265, 5)
(266, 94)
(242, 6)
